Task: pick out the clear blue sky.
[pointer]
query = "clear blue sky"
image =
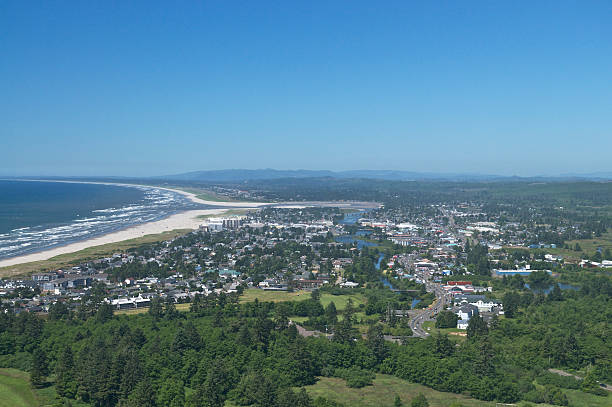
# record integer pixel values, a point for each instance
(151, 88)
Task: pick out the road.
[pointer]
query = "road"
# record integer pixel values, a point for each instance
(417, 317)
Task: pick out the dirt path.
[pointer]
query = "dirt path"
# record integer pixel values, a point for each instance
(564, 373)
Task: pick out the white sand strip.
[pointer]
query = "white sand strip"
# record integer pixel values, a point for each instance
(183, 220)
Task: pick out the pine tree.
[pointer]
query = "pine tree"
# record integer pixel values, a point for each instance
(65, 384)
(476, 327)
(40, 368)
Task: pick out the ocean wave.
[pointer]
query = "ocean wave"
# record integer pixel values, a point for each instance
(154, 205)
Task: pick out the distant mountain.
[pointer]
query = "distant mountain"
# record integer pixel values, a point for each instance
(239, 175)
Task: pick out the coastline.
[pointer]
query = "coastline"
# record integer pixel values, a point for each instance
(181, 220)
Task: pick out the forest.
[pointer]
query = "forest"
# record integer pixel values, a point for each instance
(251, 354)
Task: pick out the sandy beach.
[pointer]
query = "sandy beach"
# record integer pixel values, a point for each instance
(182, 220)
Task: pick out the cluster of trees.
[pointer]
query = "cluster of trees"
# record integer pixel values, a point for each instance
(477, 259)
(250, 354)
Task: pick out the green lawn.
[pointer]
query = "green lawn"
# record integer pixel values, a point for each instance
(452, 332)
(340, 301)
(273, 296)
(277, 296)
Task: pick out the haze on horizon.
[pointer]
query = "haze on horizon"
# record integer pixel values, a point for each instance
(144, 89)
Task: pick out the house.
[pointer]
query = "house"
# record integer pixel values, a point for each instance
(462, 324)
(466, 311)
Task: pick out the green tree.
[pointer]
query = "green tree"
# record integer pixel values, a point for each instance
(171, 393)
(477, 327)
(419, 401)
(344, 332)
(213, 392)
(331, 314)
(376, 342)
(143, 395)
(104, 312)
(40, 368)
(443, 346)
(397, 402)
(65, 384)
(446, 319)
(156, 309)
(556, 294)
(511, 303)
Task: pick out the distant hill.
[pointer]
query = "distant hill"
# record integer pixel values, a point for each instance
(238, 175)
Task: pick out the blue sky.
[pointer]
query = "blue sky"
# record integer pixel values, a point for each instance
(151, 88)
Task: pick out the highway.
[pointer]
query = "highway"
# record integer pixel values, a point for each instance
(417, 317)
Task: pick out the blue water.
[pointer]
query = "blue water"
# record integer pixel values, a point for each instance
(380, 257)
(513, 273)
(351, 218)
(549, 289)
(350, 240)
(37, 215)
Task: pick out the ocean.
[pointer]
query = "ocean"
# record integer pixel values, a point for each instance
(38, 215)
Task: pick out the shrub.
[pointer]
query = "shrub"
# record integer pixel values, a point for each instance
(355, 377)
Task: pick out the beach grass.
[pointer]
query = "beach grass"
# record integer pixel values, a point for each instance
(229, 212)
(90, 253)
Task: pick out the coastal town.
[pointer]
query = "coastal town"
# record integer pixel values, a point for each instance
(442, 259)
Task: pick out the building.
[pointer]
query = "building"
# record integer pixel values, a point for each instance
(466, 311)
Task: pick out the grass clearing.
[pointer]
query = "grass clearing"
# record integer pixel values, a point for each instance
(453, 333)
(277, 296)
(229, 212)
(578, 398)
(15, 389)
(340, 301)
(385, 388)
(383, 392)
(250, 294)
(135, 311)
(588, 246)
(91, 253)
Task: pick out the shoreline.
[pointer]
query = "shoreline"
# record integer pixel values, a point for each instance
(187, 219)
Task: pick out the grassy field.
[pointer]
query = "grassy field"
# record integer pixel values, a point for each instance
(273, 296)
(452, 332)
(15, 390)
(578, 398)
(277, 296)
(588, 246)
(229, 212)
(207, 195)
(179, 307)
(91, 253)
(384, 389)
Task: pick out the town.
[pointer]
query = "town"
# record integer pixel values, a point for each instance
(454, 259)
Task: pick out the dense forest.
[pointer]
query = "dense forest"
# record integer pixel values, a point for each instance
(251, 354)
